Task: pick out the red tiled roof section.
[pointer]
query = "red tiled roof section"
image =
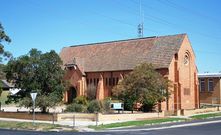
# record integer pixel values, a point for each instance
(123, 55)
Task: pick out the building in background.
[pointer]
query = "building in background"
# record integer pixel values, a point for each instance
(210, 88)
(5, 85)
(104, 64)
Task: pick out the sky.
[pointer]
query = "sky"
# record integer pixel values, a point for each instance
(54, 24)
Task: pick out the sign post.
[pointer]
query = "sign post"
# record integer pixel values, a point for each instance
(33, 96)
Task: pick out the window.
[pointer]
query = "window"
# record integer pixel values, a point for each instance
(106, 81)
(210, 85)
(87, 81)
(110, 82)
(90, 81)
(113, 81)
(117, 79)
(186, 59)
(202, 85)
(97, 81)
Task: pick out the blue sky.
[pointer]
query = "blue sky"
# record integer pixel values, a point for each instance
(53, 24)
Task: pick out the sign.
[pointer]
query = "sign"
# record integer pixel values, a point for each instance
(117, 106)
(33, 96)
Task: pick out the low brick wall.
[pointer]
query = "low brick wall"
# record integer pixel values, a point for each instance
(76, 116)
(127, 117)
(29, 116)
(198, 111)
(106, 117)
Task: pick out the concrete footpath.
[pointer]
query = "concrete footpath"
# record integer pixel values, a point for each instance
(65, 123)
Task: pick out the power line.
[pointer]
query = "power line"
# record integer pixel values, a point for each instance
(154, 18)
(117, 20)
(187, 9)
(176, 26)
(83, 22)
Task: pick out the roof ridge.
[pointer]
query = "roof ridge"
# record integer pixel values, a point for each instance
(124, 40)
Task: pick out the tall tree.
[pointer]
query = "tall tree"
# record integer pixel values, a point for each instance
(3, 38)
(40, 72)
(143, 85)
(3, 53)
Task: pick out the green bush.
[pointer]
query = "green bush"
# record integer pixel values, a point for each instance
(106, 105)
(148, 106)
(0, 91)
(94, 106)
(81, 100)
(74, 107)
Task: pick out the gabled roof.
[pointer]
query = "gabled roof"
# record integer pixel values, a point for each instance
(208, 75)
(123, 54)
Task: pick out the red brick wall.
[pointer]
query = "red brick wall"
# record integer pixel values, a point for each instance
(184, 90)
(184, 78)
(110, 79)
(211, 97)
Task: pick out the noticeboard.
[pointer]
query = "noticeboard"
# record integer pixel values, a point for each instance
(117, 106)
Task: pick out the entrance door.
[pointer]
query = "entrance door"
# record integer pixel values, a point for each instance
(72, 94)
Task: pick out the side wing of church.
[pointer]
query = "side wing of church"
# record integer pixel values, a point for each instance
(102, 65)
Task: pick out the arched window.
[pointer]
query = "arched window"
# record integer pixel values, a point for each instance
(186, 58)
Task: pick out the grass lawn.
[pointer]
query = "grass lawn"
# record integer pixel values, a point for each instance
(29, 126)
(135, 123)
(204, 116)
(26, 125)
(3, 97)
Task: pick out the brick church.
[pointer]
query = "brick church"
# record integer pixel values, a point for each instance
(104, 64)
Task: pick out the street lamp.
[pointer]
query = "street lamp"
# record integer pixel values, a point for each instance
(33, 96)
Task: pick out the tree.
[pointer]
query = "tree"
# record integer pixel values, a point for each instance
(39, 72)
(3, 38)
(3, 53)
(143, 85)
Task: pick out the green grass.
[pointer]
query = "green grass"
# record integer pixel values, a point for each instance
(29, 126)
(204, 116)
(135, 123)
(3, 97)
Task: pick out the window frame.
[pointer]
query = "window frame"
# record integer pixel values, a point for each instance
(210, 80)
(204, 81)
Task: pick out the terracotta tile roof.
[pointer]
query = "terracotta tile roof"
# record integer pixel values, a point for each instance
(123, 54)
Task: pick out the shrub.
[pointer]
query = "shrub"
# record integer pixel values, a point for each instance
(81, 100)
(148, 106)
(0, 90)
(106, 105)
(74, 107)
(94, 106)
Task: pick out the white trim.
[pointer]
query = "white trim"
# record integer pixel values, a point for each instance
(202, 75)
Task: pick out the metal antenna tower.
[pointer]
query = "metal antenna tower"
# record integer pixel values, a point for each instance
(140, 25)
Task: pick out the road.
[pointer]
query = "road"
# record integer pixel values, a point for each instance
(205, 129)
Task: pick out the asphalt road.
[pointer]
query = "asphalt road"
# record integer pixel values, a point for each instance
(206, 129)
